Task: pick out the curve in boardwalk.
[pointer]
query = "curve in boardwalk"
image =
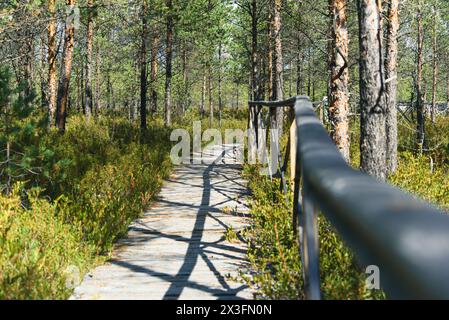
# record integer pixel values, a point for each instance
(178, 249)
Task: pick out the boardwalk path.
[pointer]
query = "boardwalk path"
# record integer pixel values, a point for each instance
(178, 250)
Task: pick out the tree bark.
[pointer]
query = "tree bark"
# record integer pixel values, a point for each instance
(79, 91)
(109, 87)
(278, 64)
(372, 97)
(211, 104)
(237, 92)
(143, 68)
(89, 52)
(299, 71)
(82, 95)
(391, 75)
(447, 91)
(154, 68)
(271, 94)
(63, 91)
(339, 95)
(203, 94)
(97, 81)
(434, 66)
(309, 71)
(299, 55)
(51, 56)
(254, 52)
(185, 103)
(419, 86)
(168, 64)
(220, 93)
(44, 96)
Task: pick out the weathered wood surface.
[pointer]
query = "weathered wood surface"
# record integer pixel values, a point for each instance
(178, 249)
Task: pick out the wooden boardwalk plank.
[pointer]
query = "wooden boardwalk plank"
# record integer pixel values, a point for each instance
(178, 250)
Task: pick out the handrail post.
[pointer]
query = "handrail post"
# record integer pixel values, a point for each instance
(252, 147)
(293, 146)
(294, 168)
(383, 225)
(310, 245)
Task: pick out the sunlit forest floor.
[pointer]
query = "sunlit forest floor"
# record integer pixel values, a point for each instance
(74, 195)
(93, 181)
(68, 198)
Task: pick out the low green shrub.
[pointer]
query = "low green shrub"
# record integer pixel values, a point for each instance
(109, 197)
(274, 253)
(414, 174)
(275, 256)
(93, 181)
(38, 250)
(436, 143)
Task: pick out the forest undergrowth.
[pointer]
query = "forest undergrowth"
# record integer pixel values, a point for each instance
(274, 251)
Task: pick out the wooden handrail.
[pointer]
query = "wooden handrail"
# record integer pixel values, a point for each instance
(406, 238)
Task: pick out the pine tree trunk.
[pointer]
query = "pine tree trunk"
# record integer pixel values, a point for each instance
(278, 64)
(299, 72)
(434, 67)
(447, 92)
(154, 68)
(339, 95)
(185, 78)
(220, 93)
(271, 94)
(419, 86)
(254, 52)
(299, 56)
(391, 75)
(168, 64)
(372, 98)
(211, 104)
(203, 94)
(79, 92)
(290, 81)
(89, 52)
(44, 97)
(97, 81)
(82, 91)
(271, 66)
(143, 68)
(63, 91)
(51, 56)
(309, 72)
(237, 92)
